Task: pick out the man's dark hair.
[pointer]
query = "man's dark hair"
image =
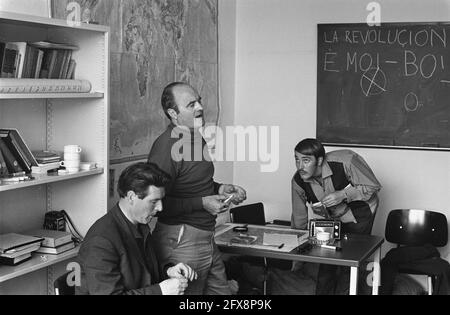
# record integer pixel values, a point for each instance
(138, 177)
(168, 99)
(311, 147)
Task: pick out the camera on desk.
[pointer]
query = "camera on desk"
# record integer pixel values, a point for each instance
(329, 226)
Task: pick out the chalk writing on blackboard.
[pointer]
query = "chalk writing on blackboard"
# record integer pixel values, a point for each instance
(384, 86)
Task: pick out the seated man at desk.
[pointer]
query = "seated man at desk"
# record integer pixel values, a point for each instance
(343, 183)
(117, 255)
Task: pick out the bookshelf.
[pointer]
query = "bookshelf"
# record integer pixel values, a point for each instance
(50, 121)
(50, 96)
(37, 262)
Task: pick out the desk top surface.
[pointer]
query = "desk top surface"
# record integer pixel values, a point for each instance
(355, 250)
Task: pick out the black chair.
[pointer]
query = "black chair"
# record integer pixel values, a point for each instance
(249, 214)
(254, 214)
(62, 287)
(416, 228)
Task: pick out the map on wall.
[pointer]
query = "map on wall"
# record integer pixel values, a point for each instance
(153, 43)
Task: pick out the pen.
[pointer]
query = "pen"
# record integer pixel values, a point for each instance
(336, 248)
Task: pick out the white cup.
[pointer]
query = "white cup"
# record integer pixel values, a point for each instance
(323, 236)
(72, 156)
(72, 148)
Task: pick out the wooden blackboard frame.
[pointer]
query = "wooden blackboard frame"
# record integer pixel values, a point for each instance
(431, 146)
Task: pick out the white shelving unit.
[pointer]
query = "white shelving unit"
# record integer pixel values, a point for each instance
(50, 121)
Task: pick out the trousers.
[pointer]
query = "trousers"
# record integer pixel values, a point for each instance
(196, 248)
(333, 279)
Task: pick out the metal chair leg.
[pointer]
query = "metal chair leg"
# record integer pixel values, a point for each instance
(430, 285)
(265, 277)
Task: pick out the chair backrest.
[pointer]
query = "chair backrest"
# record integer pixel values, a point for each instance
(249, 214)
(416, 227)
(62, 287)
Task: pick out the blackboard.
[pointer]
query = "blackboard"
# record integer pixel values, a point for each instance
(384, 86)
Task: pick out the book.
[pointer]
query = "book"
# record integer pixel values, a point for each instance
(48, 62)
(71, 70)
(31, 61)
(19, 148)
(16, 150)
(13, 242)
(25, 250)
(44, 168)
(21, 48)
(65, 66)
(14, 261)
(2, 53)
(40, 58)
(45, 156)
(52, 238)
(9, 66)
(55, 71)
(11, 162)
(44, 86)
(3, 167)
(56, 250)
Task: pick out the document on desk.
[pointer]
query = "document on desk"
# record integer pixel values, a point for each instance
(274, 239)
(267, 238)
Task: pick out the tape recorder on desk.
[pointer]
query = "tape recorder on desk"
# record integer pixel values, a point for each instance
(325, 226)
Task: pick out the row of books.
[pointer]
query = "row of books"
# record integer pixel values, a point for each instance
(44, 60)
(18, 248)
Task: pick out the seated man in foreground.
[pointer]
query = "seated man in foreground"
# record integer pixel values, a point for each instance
(117, 255)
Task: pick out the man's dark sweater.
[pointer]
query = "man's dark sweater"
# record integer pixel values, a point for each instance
(192, 178)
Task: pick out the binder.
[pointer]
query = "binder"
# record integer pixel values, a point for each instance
(18, 148)
(11, 162)
(3, 167)
(24, 250)
(12, 242)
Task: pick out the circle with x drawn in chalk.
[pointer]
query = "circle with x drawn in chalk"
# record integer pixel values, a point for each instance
(373, 82)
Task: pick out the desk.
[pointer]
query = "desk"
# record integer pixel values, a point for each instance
(355, 250)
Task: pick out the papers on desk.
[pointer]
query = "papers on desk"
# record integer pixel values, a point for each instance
(274, 239)
(267, 238)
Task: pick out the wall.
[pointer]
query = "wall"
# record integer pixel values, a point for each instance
(276, 85)
(227, 43)
(227, 73)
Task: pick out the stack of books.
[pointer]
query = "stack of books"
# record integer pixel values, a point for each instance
(17, 248)
(54, 242)
(47, 161)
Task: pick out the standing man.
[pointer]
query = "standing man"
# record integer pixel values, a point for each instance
(343, 183)
(117, 255)
(185, 228)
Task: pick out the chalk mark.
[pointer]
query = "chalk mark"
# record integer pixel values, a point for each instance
(372, 82)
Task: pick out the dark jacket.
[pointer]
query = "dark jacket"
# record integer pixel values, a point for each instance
(111, 261)
(418, 260)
